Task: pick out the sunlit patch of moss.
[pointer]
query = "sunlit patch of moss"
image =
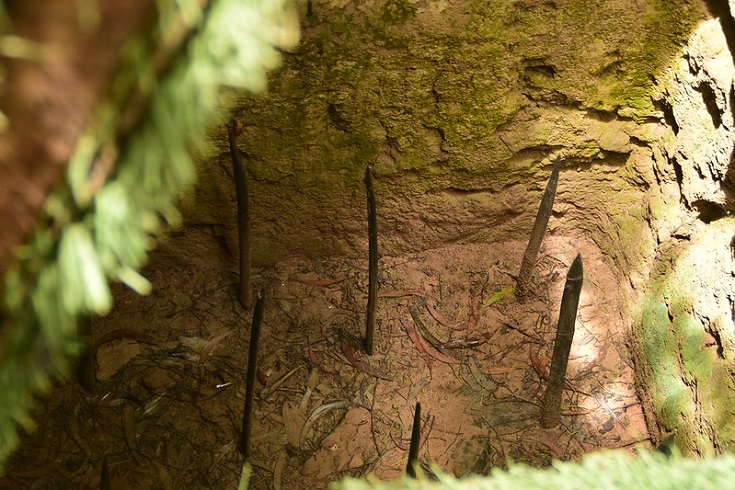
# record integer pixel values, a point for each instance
(718, 395)
(697, 362)
(672, 400)
(653, 323)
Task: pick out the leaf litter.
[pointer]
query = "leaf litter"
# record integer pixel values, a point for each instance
(474, 359)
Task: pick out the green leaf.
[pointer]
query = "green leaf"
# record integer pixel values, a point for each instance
(498, 295)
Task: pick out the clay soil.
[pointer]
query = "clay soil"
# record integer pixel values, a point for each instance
(167, 407)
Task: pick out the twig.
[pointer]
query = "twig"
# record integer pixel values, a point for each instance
(321, 282)
(400, 293)
(269, 390)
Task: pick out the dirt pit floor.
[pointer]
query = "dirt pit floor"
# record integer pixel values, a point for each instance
(166, 410)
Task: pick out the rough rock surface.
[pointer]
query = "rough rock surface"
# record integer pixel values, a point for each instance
(461, 106)
(702, 112)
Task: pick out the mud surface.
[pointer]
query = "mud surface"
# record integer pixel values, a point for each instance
(167, 407)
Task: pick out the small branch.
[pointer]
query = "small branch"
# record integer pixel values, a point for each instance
(563, 344)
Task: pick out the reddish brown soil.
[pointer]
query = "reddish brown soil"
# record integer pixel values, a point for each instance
(166, 411)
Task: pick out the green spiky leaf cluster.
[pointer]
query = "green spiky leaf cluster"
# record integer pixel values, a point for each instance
(124, 180)
(604, 470)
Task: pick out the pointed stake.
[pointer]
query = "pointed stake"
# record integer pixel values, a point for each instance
(250, 379)
(244, 294)
(87, 367)
(372, 262)
(563, 344)
(413, 449)
(537, 234)
(105, 475)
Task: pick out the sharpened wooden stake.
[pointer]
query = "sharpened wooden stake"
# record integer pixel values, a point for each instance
(87, 367)
(105, 475)
(250, 378)
(563, 344)
(537, 234)
(413, 449)
(244, 294)
(372, 262)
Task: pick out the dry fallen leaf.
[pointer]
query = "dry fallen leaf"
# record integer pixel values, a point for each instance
(293, 420)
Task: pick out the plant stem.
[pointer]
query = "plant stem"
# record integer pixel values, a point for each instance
(413, 449)
(250, 379)
(563, 344)
(373, 263)
(244, 295)
(537, 234)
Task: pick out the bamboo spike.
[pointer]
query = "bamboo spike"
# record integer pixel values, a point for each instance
(372, 262)
(537, 234)
(105, 475)
(413, 449)
(87, 364)
(250, 379)
(563, 344)
(244, 294)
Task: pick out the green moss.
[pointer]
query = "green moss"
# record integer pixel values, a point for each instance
(397, 12)
(427, 87)
(718, 395)
(672, 401)
(697, 362)
(365, 148)
(686, 381)
(653, 327)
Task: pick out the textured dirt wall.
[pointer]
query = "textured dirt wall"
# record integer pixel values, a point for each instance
(685, 321)
(460, 107)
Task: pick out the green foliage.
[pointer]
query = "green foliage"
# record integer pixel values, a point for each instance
(97, 231)
(245, 475)
(609, 470)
